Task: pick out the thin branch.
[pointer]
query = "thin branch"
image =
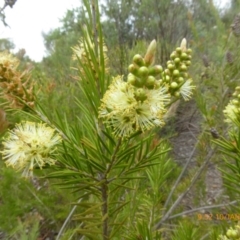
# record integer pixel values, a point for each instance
(67, 220)
(179, 199)
(203, 208)
(180, 176)
(114, 156)
(5, 5)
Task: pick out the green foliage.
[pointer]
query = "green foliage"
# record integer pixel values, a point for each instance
(29, 207)
(186, 230)
(124, 188)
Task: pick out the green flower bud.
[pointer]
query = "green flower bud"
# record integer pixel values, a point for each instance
(140, 95)
(167, 78)
(131, 79)
(154, 71)
(176, 73)
(180, 79)
(133, 68)
(177, 94)
(150, 81)
(184, 56)
(174, 85)
(179, 50)
(177, 61)
(189, 51)
(136, 82)
(170, 66)
(188, 63)
(138, 59)
(167, 72)
(143, 71)
(173, 55)
(183, 68)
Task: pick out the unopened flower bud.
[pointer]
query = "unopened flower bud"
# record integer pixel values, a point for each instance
(131, 79)
(140, 95)
(170, 66)
(136, 82)
(184, 56)
(138, 59)
(183, 68)
(176, 73)
(133, 68)
(174, 85)
(150, 55)
(167, 78)
(173, 55)
(189, 51)
(177, 94)
(143, 71)
(154, 71)
(150, 81)
(180, 79)
(183, 45)
(167, 72)
(179, 50)
(177, 60)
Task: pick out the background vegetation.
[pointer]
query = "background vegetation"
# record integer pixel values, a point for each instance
(202, 205)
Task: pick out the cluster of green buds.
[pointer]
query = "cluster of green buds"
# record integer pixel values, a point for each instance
(143, 73)
(232, 233)
(232, 110)
(175, 74)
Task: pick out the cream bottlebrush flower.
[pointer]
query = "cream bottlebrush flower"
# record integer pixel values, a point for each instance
(30, 145)
(231, 111)
(186, 90)
(122, 111)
